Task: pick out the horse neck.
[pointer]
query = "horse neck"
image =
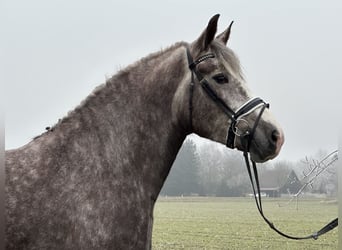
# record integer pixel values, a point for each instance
(130, 123)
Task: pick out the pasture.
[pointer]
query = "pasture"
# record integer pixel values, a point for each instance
(234, 223)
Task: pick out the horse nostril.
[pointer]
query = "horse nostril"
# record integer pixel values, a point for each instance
(276, 140)
(275, 136)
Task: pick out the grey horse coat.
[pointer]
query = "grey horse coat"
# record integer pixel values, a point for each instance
(91, 181)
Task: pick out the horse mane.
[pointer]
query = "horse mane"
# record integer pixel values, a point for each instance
(149, 57)
(114, 79)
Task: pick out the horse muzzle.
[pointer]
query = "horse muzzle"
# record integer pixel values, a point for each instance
(263, 146)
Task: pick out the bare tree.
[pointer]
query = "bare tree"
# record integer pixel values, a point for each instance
(318, 168)
(314, 170)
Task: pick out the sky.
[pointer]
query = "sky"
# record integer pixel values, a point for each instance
(54, 53)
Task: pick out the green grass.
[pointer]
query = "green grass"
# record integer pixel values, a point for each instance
(234, 223)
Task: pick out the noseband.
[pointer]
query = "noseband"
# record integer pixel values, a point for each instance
(246, 137)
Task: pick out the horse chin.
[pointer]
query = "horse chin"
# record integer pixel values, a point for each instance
(261, 159)
(261, 156)
(260, 151)
(256, 153)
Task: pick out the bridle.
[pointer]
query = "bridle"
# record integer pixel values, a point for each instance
(246, 137)
(235, 117)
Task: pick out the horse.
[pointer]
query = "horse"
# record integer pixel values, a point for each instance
(91, 180)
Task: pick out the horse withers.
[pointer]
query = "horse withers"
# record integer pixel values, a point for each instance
(91, 181)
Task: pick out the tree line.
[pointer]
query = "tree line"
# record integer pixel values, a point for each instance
(210, 169)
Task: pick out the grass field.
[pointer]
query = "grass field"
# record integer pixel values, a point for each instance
(234, 223)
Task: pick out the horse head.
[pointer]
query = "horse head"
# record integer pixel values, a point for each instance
(222, 108)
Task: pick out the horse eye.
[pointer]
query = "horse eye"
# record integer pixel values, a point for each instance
(220, 78)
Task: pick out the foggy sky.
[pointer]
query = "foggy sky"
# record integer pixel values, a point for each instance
(54, 53)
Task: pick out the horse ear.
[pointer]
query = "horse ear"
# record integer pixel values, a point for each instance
(208, 34)
(224, 36)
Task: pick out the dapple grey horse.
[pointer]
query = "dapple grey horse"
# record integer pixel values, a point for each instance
(91, 181)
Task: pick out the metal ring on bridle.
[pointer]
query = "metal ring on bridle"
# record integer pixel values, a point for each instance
(236, 129)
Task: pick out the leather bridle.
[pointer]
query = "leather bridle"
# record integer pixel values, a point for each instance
(246, 137)
(234, 116)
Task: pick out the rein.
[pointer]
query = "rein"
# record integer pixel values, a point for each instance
(256, 191)
(246, 138)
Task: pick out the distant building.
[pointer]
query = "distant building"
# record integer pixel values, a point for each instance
(273, 184)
